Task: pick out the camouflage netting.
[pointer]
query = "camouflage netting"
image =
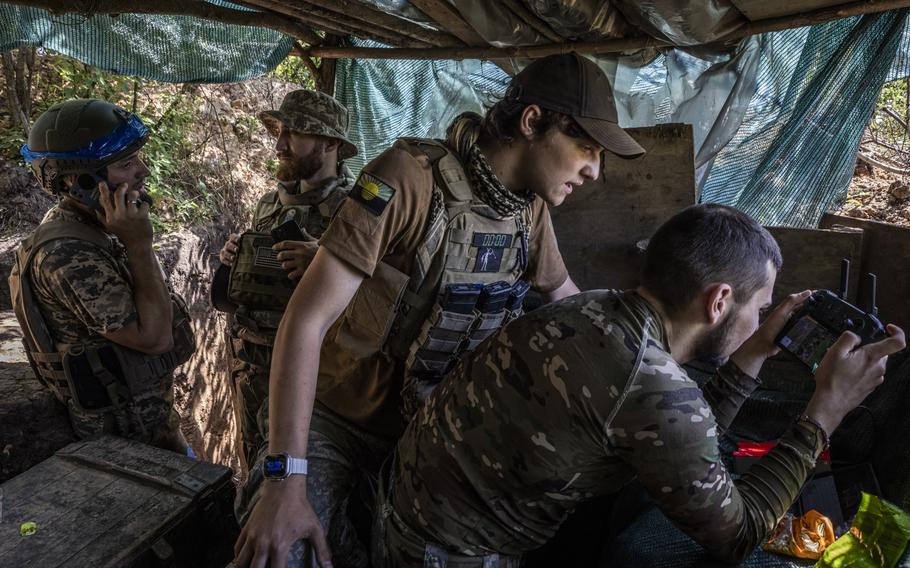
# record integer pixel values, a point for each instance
(777, 119)
(175, 49)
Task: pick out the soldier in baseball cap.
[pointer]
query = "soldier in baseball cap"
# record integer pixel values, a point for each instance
(430, 226)
(310, 130)
(574, 85)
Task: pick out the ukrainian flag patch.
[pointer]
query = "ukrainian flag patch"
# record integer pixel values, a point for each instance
(373, 193)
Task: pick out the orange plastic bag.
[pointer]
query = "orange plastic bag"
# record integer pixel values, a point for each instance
(806, 536)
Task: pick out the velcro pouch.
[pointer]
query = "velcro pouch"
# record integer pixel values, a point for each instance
(257, 279)
(368, 318)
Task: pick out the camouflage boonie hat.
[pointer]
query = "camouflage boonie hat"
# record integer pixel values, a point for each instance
(312, 112)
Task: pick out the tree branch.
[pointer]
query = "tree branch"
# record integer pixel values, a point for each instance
(12, 91)
(308, 63)
(613, 45)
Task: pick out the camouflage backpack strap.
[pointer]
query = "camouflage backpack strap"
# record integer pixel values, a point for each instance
(268, 208)
(39, 345)
(333, 202)
(53, 230)
(41, 348)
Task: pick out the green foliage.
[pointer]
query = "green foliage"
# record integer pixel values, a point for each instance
(59, 78)
(292, 70)
(179, 201)
(182, 197)
(884, 126)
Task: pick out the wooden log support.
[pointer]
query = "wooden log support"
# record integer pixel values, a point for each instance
(332, 22)
(525, 15)
(614, 45)
(530, 52)
(371, 16)
(450, 19)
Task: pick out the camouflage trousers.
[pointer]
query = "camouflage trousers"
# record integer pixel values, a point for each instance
(343, 464)
(150, 419)
(395, 545)
(250, 382)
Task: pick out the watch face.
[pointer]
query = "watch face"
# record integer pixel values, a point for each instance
(275, 466)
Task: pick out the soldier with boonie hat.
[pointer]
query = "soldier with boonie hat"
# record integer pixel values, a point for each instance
(260, 268)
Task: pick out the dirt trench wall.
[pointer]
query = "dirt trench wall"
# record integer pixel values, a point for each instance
(202, 387)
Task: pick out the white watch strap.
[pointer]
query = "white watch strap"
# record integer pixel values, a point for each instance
(297, 466)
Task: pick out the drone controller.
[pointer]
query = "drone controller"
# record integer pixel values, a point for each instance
(825, 316)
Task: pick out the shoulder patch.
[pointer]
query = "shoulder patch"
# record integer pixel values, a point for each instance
(371, 192)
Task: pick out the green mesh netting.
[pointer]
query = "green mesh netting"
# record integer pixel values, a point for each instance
(808, 97)
(175, 49)
(389, 99)
(794, 154)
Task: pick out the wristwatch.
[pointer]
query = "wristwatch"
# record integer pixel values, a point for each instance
(278, 467)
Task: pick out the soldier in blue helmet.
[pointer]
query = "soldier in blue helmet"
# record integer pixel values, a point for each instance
(102, 329)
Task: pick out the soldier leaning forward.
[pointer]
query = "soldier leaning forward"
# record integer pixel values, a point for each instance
(578, 398)
(101, 327)
(431, 253)
(261, 267)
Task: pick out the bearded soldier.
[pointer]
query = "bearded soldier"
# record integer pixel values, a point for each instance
(578, 398)
(262, 266)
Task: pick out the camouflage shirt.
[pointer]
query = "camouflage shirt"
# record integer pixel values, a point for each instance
(81, 290)
(573, 401)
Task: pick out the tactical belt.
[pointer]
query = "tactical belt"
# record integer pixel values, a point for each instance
(55, 371)
(394, 534)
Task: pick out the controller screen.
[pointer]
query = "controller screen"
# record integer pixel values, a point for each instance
(808, 340)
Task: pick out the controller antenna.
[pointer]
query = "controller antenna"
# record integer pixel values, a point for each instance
(869, 289)
(844, 278)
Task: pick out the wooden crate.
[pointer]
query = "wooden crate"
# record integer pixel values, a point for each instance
(886, 249)
(116, 502)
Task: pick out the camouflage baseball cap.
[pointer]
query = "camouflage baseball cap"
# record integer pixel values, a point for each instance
(312, 112)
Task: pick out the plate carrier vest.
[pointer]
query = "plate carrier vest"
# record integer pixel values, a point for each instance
(102, 375)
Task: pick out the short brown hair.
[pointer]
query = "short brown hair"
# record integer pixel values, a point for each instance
(704, 244)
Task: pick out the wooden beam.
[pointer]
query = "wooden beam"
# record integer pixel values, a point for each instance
(366, 13)
(195, 8)
(327, 68)
(444, 14)
(457, 53)
(525, 15)
(614, 45)
(335, 23)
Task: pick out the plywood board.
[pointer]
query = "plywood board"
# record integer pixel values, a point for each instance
(886, 251)
(599, 225)
(812, 259)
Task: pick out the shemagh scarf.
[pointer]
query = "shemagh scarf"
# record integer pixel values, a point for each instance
(462, 136)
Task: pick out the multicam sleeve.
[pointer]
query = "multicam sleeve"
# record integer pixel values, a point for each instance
(87, 282)
(667, 432)
(726, 392)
